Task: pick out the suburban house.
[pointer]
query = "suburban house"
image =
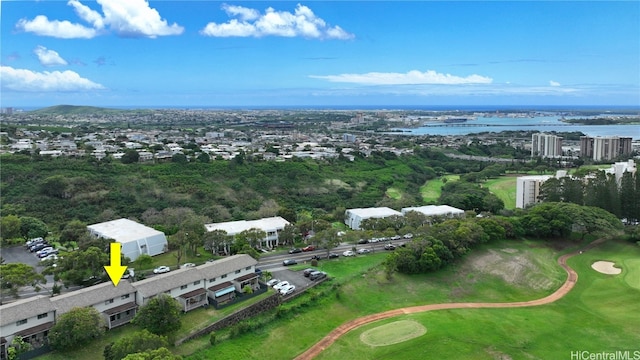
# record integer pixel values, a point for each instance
(211, 283)
(116, 304)
(272, 226)
(136, 239)
(30, 318)
(354, 217)
(435, 210)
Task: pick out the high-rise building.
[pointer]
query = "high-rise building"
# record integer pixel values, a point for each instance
(604, 148)
(546, 145)
(528, 189)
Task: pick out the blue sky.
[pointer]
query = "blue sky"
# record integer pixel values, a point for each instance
(279, 53)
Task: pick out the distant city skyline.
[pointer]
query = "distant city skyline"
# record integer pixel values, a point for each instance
(319, 53)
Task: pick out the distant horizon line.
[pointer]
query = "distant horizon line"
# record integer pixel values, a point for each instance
(347, 107)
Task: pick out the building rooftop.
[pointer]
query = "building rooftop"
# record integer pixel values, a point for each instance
(434, 210)
(123, 230)
(374, 212)
(91, 295)
(236, 227)
(24, 309)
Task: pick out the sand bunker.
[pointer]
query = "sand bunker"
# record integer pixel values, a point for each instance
(606, 267)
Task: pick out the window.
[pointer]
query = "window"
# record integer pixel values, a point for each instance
(21, 322)
(125, 296)
(237, 271)
(42, 316)
(212, 280)
(183, 287)
(196, 282)
(248, 268)
(110, 301)
(223, 276)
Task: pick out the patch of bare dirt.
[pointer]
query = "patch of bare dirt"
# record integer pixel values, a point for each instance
(497, 355)
(514, 269)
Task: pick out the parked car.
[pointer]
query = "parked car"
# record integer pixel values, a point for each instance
(408, 236)
(281, 285)
(295, 251)
(308, 248)
(308, 271)
(363, 241)
(272, 282)
(348, 253)
(187, 265)
(38, 246)
(44, 250)
(47, 253)
(129, 273)
(258, 271)
(396, 237)
(373, 240)
(161, 270)
(333, 256)
(289, 262)
(316, 275)
(389, 247)
(287, 290)
(33, 241)
(53, 257)
(363, 251)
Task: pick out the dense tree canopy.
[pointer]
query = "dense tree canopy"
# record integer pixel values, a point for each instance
(75, 328)
(161, 315)
(137, 342)
(13, 276)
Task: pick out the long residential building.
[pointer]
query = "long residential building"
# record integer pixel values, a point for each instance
(604, 148)
(546, 145)
(213, 283)
(272, 226)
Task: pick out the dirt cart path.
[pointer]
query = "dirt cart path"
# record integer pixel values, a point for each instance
(572, 278)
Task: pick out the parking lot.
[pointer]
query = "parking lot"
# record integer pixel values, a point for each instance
(293, 277)
(20, 254)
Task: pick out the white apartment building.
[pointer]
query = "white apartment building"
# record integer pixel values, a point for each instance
(546, 145)
(528, 189)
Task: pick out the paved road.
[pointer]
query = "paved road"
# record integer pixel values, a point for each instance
(572, 278)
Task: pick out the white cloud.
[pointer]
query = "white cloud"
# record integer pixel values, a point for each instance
(244, 13)
(126, 18)
(46, 81)
(48, 57)
(41, 25)
(303, 22)
(87, 14)
(413, 77)
(134, 18)
(553, 83)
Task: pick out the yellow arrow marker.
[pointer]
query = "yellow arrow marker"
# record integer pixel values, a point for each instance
(114, 269)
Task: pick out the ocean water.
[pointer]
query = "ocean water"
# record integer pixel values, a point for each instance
(538, 123)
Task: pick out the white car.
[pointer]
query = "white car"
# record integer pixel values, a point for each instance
(348, 253)
(48, 249)
(287, 290)
(187, 265)
(272, 282)
(281, 285)
(53, 257)
(363, 251)
(161, 270)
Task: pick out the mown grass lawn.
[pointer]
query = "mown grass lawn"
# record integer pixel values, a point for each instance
(432, 189)
(367, 292)
(601, 313)
(394, 193)
(504, 188)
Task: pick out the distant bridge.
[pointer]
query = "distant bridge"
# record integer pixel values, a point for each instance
(490, 125)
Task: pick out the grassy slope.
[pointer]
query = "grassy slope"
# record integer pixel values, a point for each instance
(371, 292)
(431, 190)
(504, 188)
(602, 313)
